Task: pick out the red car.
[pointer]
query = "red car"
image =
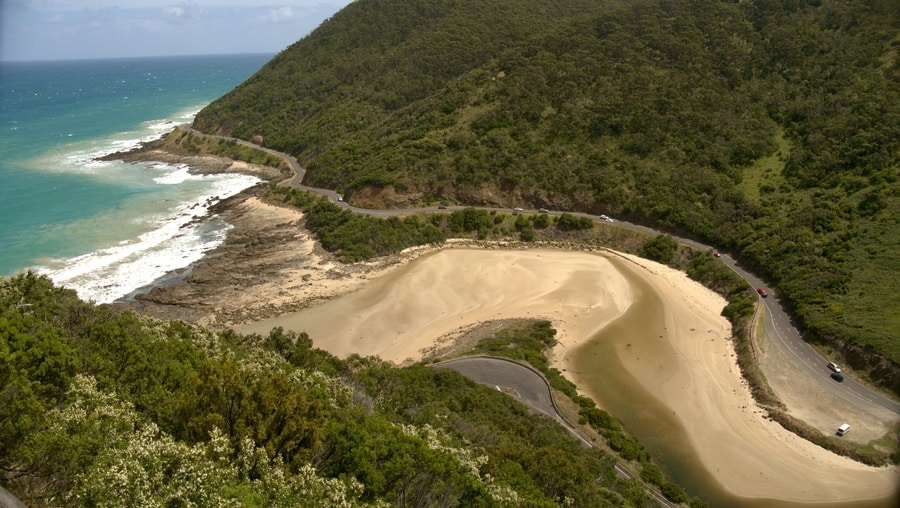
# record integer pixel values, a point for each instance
(762, 292)
(716, 254)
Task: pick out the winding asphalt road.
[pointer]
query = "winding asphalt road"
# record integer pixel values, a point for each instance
(777, 324)
(517, 380)
(780, 332)
(531, 388)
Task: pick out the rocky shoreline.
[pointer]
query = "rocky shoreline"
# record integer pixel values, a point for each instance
(269, 264)
(264, 249)
(205, 164)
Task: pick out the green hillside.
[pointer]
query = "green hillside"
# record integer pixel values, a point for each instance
(770, 129)
(106, 408)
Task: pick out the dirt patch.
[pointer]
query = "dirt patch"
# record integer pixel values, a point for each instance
(465, 338)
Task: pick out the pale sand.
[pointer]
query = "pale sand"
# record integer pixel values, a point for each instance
(404, 312)
(401, 313)
(749, 455)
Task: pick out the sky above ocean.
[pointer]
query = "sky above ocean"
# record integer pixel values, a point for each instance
(107, 228)
(33, 30)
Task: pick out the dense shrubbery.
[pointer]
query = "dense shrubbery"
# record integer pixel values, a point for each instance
(568, 222)
(660, 248)
(109, 408)
(354, 237)
(787, 156)
(471, 220)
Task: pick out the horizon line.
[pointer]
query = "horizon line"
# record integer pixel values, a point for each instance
(141, 57)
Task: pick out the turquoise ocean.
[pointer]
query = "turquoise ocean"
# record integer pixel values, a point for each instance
(105, 229)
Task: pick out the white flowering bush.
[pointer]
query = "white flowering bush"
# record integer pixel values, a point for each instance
(468, 458)
(151, 469)
(206, 341)
(437, 439)
(118, 459)
(262, 361)
(155, 330)
(91, 409)
(339, 394)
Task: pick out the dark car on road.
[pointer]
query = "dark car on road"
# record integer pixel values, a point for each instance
(837, 376)
(762, 292)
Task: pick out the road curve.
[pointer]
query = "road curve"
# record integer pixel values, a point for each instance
(516, 380)
(784, 335)
(531, 388)
(777, 324)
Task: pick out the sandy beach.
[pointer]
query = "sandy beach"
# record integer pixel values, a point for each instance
(271, 273)
(403, 314)
(748, 454)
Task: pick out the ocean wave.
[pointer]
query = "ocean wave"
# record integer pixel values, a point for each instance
(176, 240)
(178, 174)
(80, 156)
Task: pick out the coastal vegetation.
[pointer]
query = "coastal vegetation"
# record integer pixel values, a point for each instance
(105, 407)
(788, 158)
(326, 219)
(184, 141)
(770, 129)
(354, 237)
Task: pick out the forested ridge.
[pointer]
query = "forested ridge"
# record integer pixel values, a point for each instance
(768, 128)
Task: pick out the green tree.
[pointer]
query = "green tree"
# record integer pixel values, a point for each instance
(660, 248)
(568, 222)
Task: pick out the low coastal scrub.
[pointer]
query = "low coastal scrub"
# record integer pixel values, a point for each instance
(182, 140)
(354, 237)
(103, 407)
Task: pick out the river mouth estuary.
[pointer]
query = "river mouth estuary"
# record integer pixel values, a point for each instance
(610, 368)
(647, 344)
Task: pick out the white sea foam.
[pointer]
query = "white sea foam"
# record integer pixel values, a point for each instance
(174, 236)
(179, 174)
(81, 157)
(176, 241)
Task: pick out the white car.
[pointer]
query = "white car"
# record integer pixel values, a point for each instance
(833, 366)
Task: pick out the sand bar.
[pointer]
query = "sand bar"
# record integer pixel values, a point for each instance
(402, 313)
